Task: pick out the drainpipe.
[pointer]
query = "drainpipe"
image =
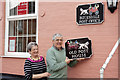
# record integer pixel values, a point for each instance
(108, 59)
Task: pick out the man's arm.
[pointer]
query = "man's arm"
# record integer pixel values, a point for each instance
(74, 62)
(53, 64)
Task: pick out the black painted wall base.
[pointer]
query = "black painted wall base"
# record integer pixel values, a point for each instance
(5, 76)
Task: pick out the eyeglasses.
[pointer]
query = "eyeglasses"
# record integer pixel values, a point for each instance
(59, 40)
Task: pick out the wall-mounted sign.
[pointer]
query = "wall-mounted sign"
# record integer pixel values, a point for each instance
(23, 8)
(78, 48)
(12, 44)
(90, 14)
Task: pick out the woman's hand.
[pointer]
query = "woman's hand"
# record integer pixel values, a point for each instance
(46, 74)
(36, 76)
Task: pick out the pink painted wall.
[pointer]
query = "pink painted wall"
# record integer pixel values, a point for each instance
(59, 17)
(8, 65)
(13, 66)
(2, 27)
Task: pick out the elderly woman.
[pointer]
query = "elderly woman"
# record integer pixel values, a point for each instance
(35, 67)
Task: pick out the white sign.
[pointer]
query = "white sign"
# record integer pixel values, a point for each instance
(12, 45)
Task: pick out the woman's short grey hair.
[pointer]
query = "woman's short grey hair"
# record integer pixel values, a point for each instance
(30, 45)
(56, 35)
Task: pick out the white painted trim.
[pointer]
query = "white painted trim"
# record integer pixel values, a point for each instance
(14, 56)
(108, 59)
(6, 26)
(21, 17)
(17, 54)
(37, 10)
(24, 36)
(21, 54)
(18, 17)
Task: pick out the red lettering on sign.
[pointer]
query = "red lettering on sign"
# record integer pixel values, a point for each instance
(23, 8)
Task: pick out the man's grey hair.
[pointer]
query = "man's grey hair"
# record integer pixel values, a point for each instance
(56, 35)
(30, 45)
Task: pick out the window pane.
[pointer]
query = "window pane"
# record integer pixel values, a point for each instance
(21, 44)
(29, 26)
(31, 8)
(32, 27)
(12, 28)
(16, 27)
(12, 12)
(31, 39)
(21, 8)
(25, 27)
(20, 27)
(21, 32)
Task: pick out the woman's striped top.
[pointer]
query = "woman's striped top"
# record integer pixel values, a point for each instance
(34, 67)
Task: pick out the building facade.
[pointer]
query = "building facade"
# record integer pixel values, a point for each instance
(39, 20)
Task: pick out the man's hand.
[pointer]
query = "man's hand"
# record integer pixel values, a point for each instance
(68, 60)
(80, 59)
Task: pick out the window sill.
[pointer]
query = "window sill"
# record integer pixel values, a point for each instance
(14, 56)
(19, 17)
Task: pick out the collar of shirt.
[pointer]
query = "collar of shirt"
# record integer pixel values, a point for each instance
(57, 48)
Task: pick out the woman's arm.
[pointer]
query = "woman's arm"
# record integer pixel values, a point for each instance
(27, 70)
(35, 76)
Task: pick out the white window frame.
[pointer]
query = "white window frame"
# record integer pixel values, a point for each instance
(18, 17)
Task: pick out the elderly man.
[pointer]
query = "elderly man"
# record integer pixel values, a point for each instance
(56, 58)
